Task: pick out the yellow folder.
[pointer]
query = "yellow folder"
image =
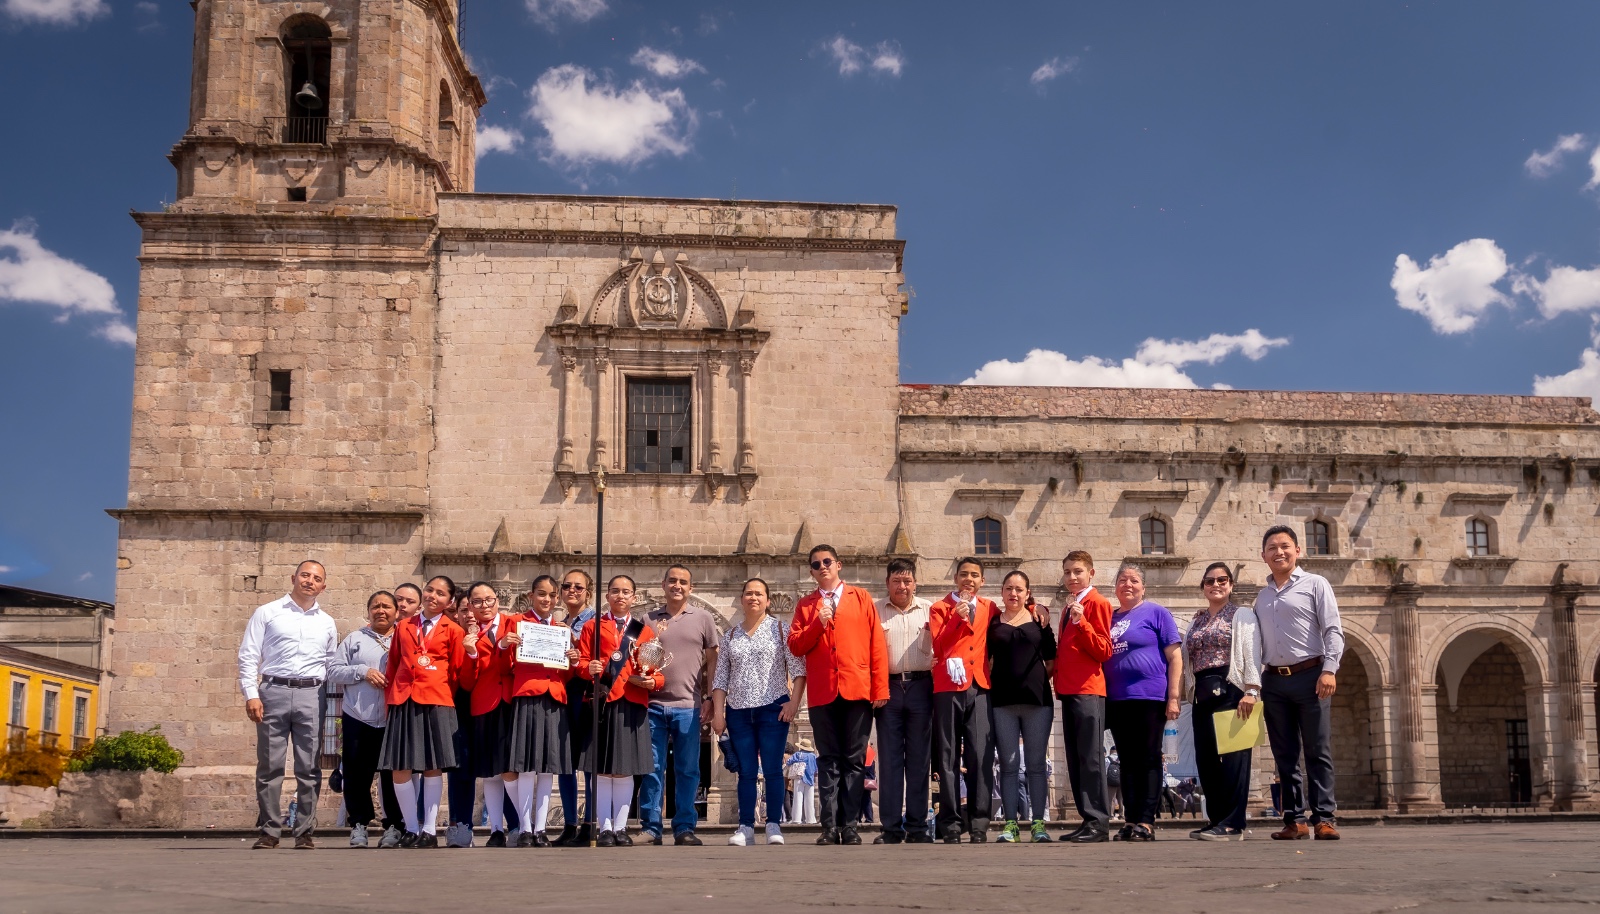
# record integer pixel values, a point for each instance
(1234, 734)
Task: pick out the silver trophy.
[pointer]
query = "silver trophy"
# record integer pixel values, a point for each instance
(650, 658)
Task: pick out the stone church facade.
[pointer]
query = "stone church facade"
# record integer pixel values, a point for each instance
(347, 354)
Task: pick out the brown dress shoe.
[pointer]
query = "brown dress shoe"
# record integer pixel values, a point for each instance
(1299, 831)
(304, 843)
(265, 843)
(1326, 832)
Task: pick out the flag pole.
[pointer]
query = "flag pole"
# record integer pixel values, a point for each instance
(600, 595)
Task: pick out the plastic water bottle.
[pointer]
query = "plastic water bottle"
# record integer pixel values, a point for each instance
(294, 810)
(1169, 741)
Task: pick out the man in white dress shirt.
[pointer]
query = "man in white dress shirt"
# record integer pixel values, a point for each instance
(283, 660)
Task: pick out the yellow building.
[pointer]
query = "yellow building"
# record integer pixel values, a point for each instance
(57, 701)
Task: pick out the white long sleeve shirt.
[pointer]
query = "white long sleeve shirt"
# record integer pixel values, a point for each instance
(283, 640)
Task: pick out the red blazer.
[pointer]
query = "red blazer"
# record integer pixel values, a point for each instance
(488, 676)
(610, 637)
(532, 678)
(953, 636)
(408, 679)
(849, 659)
(1082, 649)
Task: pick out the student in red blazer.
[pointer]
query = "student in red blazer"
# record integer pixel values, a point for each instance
(1085, 645)
(541, 728)
(486, 678)
(959, 624)
(837, 630)
(425, 662)
(621, 749)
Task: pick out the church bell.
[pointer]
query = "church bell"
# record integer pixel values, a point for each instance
(308, 98)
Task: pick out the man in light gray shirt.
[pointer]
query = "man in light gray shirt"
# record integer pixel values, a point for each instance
(1302, 643)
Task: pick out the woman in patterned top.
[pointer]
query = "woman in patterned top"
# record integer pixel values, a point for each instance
(752, 698)
(1223, 647)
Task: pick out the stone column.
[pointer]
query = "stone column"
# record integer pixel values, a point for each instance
(714, 368)
(1414, 793)
(602, 408)
(569, 371)
(1571, 788)
(747, 451)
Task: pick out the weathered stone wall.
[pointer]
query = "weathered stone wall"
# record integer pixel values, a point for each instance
(1358, 775)
(1473, 770)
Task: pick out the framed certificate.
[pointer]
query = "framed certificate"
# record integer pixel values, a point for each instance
(545, 645)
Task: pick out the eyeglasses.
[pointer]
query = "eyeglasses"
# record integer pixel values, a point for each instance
(1213, 582)
(485, 601)
(572, 587)
(820, 564)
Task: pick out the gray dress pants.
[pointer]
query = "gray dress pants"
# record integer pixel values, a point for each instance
(289, 716)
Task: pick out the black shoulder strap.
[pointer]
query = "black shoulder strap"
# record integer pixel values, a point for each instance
(620, 655)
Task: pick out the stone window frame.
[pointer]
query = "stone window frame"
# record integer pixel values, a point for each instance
(262, 368)
(1490, 534)
(1157, 521)
(1000, 532)
(1330, 528)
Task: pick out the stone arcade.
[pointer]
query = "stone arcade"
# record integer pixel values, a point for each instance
(345, 353)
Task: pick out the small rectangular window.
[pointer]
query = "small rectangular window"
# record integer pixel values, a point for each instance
(297, 195)
(49, 722)
(281, 394)
(80, 715)
(986, 536)
(19, 702)
(659, 426)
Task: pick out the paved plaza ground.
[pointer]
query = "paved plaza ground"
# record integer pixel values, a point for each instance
(1376, 868)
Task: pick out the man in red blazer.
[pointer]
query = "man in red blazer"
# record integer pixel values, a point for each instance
(837, 630)
(960, 627)
(1080, 681)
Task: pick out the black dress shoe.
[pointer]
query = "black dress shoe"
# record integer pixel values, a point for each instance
(523, 840)
(978, 837)
(687, 837)
(498, 839)
(539, 839)
(1125, 834)
(1082, 827)
(889, 838)
(953, 837)
(848, 835)
(1090, 835)
(828, 836)
(606, 839)
(568, 837)
(427, 840)
(410, 839)
(586, 833)
(623, 838)
(919, 837)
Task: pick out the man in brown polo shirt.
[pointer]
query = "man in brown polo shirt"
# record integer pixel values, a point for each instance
(691, 637)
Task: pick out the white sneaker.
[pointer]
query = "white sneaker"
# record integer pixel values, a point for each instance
(774, 833)
(742, 836)
(391, 837)
(358, 836)
(458, 835)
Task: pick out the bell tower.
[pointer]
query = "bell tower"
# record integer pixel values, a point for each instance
(350, 107)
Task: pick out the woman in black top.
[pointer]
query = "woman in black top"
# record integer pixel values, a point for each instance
(1022, 655)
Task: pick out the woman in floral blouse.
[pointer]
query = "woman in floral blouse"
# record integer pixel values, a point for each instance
(753, 700)
(1223, 647)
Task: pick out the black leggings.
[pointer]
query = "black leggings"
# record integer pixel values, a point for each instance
(1136, 726)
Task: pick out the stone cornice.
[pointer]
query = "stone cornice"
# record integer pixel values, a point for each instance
(272, 515)
(1224, 460)
(893, 246)
(214, 238)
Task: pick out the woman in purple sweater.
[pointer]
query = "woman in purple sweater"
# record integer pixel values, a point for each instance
(1144, 679)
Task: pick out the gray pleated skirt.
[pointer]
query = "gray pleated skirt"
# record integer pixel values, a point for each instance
(624, 741)
(490, 747)
(539, 738)
(419, 738)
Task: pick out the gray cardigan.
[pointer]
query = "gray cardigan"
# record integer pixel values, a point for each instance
(361, 651)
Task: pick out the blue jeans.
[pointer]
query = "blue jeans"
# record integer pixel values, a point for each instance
(758, 736)
(680, 726)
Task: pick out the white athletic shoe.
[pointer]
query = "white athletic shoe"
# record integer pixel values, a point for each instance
(458, 835)
(742, 836)
(358, 836)
(391, 837)
(774, 833)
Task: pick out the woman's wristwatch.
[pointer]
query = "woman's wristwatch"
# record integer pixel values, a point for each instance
(1252, 693)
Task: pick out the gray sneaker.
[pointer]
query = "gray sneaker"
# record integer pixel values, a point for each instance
(358, 836)
(458, 835)
(391, 837)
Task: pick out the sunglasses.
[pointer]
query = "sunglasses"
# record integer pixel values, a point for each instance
(1212, 582)
(571, 586)
(820, 564)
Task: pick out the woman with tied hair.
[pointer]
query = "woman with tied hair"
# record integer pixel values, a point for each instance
(540, 731)
(752, 700)
(1143, 680)
(1022, 657)
(1223, 648)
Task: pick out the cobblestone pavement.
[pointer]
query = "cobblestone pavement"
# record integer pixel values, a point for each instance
(1422, 868)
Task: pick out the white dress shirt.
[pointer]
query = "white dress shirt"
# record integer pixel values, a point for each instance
(283, 640)
(906, 632)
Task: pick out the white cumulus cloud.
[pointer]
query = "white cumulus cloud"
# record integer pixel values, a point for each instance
(31, 273)
(56, 12)
(1455, 288)
(1052, 68)
(551, 12)
(664, 64)
(497, 139)
(1544, 164)
(1583, 381)
(1564, 290)
(1157, 363)
(884, 57)
(588, 121)
(1594, 170)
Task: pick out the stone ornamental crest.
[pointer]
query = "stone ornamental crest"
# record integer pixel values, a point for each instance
(656, 294)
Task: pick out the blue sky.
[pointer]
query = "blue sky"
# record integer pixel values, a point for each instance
(1362, 196)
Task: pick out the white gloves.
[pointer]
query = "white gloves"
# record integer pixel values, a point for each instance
(956, 670)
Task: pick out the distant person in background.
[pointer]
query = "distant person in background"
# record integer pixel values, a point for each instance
(801, 770)
(359, 666)
(283, 660)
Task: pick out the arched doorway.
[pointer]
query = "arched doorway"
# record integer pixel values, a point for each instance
(1357, 781)
(1489, 729)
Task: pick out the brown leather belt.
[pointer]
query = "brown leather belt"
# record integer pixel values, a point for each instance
(1291, 670)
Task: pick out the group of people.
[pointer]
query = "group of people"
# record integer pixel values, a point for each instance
(434, 683)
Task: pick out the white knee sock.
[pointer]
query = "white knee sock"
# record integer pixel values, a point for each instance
(602, 801)
(524, 795)
(494, 802)
(406, 793)
(541, 811)
(431, 789)
(621, 798)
